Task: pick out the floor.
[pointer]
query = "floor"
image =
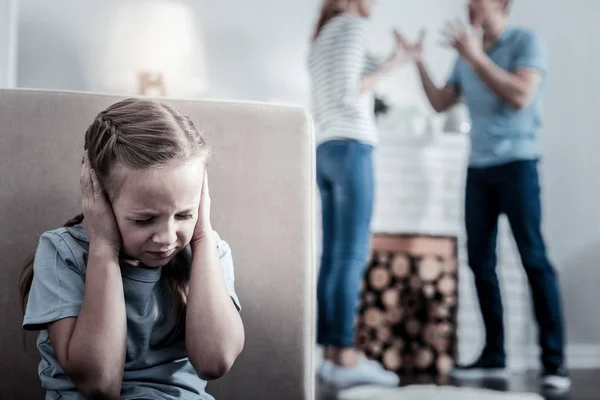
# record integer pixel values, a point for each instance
(586, 386)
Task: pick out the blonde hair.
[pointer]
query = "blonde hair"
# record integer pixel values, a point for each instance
(138, 134)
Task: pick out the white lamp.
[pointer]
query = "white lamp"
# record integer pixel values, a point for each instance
(156, 43)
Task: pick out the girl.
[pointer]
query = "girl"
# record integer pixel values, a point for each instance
(343, 74)
(137, 302)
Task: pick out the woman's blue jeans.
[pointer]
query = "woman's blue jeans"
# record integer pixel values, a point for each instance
(345, 180)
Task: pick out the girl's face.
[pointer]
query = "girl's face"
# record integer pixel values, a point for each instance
(156, 209)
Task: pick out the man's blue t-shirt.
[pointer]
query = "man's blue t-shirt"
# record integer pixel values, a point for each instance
(500, 133)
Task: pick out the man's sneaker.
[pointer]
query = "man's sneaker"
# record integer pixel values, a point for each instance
(366, 372)
(484, 367)
(556, 378)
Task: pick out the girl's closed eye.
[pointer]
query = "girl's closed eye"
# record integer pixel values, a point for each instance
(149, 220)
(144, 222)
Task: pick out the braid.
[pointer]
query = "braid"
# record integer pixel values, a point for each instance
(76, 220)
(110, 124)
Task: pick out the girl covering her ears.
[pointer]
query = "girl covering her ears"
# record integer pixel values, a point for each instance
(134, 298)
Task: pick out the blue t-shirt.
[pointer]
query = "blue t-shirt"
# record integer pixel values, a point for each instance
(152, 370)
(500, 133)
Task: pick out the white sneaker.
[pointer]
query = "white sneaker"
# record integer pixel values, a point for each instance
(556, 379)
(366, 372)
(324, 370)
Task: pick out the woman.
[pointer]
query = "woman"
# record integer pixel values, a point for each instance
(343, 74)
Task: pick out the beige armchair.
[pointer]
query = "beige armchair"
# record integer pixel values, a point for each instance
(262, 177)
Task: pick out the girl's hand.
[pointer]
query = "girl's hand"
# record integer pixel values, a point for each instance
(99, 217)
(203, 226)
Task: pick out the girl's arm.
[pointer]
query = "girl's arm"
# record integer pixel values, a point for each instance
(91, 348)
(214, 333)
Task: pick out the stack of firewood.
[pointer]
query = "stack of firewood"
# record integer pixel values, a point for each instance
(407, 310)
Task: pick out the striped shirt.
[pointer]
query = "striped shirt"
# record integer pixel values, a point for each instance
(338, 60)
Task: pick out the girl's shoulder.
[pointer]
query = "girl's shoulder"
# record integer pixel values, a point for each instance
(71, 244)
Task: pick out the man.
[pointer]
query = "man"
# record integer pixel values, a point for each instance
(500, 73)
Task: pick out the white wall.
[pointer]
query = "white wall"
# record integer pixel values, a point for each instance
(571, 146)
(250, 55)
(256, 50)
(8, 43)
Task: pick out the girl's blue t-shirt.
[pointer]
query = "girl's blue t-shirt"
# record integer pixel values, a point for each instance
(152, 369)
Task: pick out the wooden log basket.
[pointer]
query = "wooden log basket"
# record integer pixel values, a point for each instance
(408, 305)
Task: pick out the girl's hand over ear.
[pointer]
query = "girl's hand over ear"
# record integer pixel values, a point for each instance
(203, 226)
(98, 215)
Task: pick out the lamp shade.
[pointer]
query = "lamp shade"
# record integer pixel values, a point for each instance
(156, 37)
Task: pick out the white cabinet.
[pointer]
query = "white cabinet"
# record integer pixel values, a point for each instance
(419, 183)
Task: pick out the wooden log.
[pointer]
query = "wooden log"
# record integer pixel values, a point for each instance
(445, 329)
(428, 290)
(394, 316)
(447, 285)
(444, 364)
(430, 333)
(429, 268)
(392, 359)
(379, 278)
(423, 358)
(400, 266)
(384, 333)
(373, 317)
(438, 310)
(450, 300)
(441, 344)
(390, 298)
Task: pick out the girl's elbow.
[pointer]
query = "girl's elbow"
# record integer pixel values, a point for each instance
(211, 368)
(214, 369)
(99, 390)
(102, 385)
